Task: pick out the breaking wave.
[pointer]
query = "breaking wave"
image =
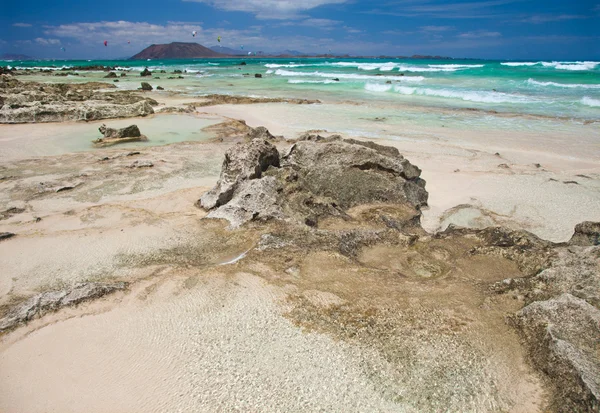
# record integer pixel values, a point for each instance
(595, 103)
(467, 95)
(282, 72)
(567, 85)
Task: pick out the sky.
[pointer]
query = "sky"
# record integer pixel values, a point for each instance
(490, 29)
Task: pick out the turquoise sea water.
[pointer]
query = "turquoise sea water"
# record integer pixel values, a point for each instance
(549, 88)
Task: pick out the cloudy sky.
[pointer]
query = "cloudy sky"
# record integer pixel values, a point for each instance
(501, 29)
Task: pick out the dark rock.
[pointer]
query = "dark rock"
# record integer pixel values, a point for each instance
(586, 233)
(257, 75)
(110, 75)
(160, 88)
(157, 77)
(141, 164)
(260, 133)
(336, 79)
(116, 80)
(146, 86)
(114, 136)
(242, 64)
(145, 73)
(123, 74)
(177, 72)
(6, 235)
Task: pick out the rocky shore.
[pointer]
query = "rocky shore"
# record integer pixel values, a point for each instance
(475, 319)
(32, 102)
(243, 270)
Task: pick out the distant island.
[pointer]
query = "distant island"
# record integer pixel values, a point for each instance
(176, 50)
(180, 50)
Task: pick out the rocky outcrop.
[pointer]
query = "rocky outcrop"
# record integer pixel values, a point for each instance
(43, 303)
(146, 73)
(111, 75)
(563, 335)
(560, 324)
(115, 136)
(315, 179)
(146, 86)
(211, 100)
(586, 233)
(30, 102)
(242, 162)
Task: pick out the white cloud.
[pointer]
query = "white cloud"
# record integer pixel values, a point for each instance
(479, 34)
(22, 25)
(436, 28)
(323, 24)
(269, 9)
(47, 42)
(545, 18)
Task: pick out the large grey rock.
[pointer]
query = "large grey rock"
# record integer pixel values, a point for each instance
(563, 335)
(244, 161)
(354, 173)
(586, 233)
(43, 303)
(317, 178)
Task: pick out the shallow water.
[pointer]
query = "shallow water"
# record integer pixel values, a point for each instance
(565, 89)
(58, 138)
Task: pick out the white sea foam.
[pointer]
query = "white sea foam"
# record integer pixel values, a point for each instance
(467, 95)
(377, 87)
(454, 66)
(282, 72)
(300, 81)
(269, 71)
(516, 64)
(566, 85)
(588, 101)
(275, 65)
(389, 66)
(572, 65)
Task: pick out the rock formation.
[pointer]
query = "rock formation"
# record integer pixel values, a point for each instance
(31, 102)
(346, 196)
(115, 136)
(146, 86)
(317, 177)
(43, 303)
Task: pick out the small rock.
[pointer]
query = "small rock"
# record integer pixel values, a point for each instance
(141, 164)
(503, 166)
(6, 235)
(116, 80)
(257, 75)
(110, 75)
(145, 73)
(160, 88)
(146, 86)
(123, 74)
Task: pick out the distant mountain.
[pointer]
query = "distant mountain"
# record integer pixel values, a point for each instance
(228, 51)
(176, 50)
(13, 56)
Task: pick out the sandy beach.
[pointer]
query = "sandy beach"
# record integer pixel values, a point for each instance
(216, 318)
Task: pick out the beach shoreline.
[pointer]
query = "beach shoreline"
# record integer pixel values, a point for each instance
(199, 289)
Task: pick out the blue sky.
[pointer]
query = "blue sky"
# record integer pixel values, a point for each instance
(495, 29)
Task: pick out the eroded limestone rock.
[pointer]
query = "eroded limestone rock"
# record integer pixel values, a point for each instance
(43, 303)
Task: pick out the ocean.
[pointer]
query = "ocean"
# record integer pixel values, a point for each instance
(545, 88)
